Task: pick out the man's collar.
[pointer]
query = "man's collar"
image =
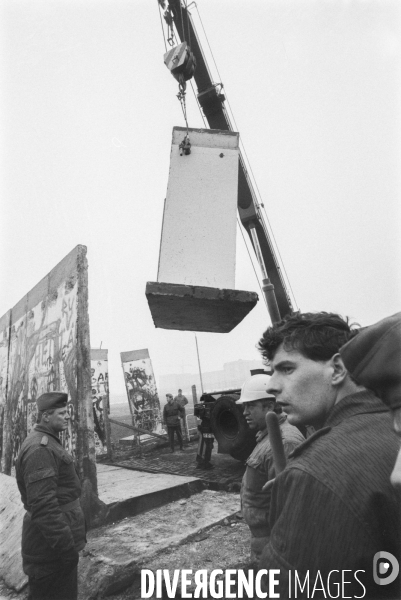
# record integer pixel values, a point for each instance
(43, 428)
(363, 402)
(355, 404)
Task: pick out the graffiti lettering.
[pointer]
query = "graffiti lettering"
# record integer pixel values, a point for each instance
(67, 310)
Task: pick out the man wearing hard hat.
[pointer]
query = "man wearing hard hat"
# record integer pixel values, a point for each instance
(255, 502)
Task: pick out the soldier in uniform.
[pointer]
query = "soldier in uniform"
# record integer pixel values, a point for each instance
(53, 530)
(183, 401)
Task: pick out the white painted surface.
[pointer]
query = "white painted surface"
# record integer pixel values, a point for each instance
(199, 223)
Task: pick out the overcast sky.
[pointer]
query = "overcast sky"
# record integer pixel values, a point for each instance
(87, 111)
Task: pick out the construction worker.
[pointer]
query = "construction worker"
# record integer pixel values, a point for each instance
(255, 502)
(53, 530)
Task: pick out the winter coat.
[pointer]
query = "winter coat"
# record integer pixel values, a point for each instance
(50, 488)
(172, 413)
(255, 503)
(333, 507)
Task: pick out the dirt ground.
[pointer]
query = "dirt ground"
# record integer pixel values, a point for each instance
(222, 547)
(226, 473)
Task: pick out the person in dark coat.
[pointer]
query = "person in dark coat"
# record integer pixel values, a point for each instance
(53, 529)
(172, 412)
(333, 508)
(183, 401)
(373, 358)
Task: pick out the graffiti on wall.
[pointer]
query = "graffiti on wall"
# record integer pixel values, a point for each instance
(41, 359)
(100, 396)
(141, 390)
(38, 354)
(4, 336)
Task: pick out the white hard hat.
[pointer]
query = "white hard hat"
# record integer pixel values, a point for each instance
(255, 388)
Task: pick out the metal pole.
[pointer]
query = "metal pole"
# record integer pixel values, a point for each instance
(200, 372)
(267, 287)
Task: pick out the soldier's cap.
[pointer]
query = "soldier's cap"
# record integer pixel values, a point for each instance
(52, 400)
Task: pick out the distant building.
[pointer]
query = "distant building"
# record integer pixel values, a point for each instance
(232, 376)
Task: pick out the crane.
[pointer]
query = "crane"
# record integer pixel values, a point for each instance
(220, 417)
(211, 100)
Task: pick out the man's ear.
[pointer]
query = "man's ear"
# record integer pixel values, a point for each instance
(339, 370)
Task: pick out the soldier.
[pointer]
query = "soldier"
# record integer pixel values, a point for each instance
(255, 501)
(172, 412)
(53, 530)
(182, 401)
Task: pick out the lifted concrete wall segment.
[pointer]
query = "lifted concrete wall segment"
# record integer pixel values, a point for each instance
(44, 346)
(198, 308)
(199, 222)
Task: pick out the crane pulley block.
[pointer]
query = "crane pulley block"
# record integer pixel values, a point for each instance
(181, 62)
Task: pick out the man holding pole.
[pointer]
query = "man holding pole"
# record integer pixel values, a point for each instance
(255, 503)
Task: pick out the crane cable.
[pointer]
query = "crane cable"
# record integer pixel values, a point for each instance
(185, 146)
(161, 23)
(182, 86)
(181, 97)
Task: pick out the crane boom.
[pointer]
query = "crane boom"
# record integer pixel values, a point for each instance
(211, 99)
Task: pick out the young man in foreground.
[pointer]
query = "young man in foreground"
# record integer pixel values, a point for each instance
(333, 507)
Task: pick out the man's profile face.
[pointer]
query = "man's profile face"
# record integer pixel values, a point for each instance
(302, 387)
(396, 474)
(169, 399)
(254, 413)
(58, 420)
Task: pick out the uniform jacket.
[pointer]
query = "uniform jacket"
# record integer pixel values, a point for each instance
(172, 413)
(333, 507)
(182, 401)
(48, 483)
(255, 503)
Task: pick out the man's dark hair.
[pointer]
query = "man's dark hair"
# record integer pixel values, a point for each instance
(39, 416)
(317, 336)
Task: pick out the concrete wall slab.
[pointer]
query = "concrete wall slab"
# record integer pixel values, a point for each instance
(199, 222)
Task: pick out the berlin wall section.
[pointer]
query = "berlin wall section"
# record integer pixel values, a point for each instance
(45, 346)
